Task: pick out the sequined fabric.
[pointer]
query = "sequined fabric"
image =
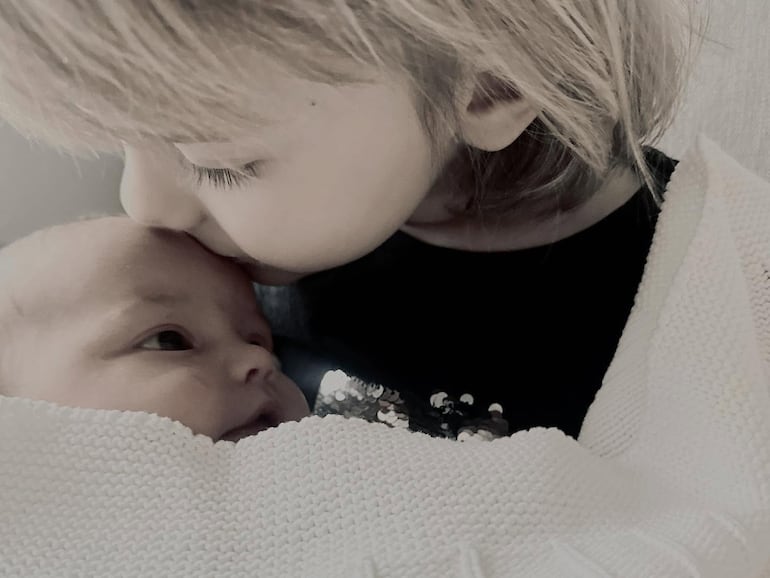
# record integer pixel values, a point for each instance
(442, 415)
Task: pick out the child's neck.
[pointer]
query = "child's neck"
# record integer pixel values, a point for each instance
(434, 224)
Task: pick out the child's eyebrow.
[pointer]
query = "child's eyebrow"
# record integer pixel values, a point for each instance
(162, 298)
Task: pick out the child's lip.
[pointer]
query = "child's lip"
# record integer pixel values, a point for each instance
(264, 418)
(246, 263)
(252, 267)
(266, 274)
(247, 430)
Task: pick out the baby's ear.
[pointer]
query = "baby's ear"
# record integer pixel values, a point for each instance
(493, 114)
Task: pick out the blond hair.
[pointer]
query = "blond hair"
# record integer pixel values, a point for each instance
(606, 75)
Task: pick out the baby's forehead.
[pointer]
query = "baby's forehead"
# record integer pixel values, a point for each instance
(111, 240)
(115, 256)
(78, 239)
(82, 257)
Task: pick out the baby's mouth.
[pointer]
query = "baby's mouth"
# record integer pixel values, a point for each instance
(263, 420)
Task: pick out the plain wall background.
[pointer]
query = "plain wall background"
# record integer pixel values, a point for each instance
(40, 187)
(729, 95)
(728, 100)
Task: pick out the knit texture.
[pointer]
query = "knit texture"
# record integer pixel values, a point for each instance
(670, 476)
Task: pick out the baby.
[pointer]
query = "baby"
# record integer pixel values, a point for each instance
(107, 314)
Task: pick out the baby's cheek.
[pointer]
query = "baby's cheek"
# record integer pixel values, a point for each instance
(188, 398)
(293, 403)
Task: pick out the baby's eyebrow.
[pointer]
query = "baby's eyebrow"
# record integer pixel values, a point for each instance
(16, 305)
(162, 298)
(11, 305)
(124, 313)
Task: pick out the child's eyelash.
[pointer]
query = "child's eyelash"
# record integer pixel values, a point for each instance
(226, 178)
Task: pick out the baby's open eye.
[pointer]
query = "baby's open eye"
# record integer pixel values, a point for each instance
(168, 340)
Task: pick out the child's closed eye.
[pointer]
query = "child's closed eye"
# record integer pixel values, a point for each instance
(227, 178)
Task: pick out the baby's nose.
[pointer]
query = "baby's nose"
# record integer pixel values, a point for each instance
(252, 365)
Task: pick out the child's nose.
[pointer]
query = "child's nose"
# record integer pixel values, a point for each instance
(252, 364)
(150, 194)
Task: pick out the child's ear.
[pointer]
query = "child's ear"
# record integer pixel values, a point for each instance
(493, 114)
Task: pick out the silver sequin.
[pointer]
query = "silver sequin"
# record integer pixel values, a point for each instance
(441, 415)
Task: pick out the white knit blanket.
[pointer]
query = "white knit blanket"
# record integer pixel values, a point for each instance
(670, 477)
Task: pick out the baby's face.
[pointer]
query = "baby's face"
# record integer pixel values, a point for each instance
(116, 316)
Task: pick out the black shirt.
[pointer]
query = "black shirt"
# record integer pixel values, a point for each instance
(454, 342)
